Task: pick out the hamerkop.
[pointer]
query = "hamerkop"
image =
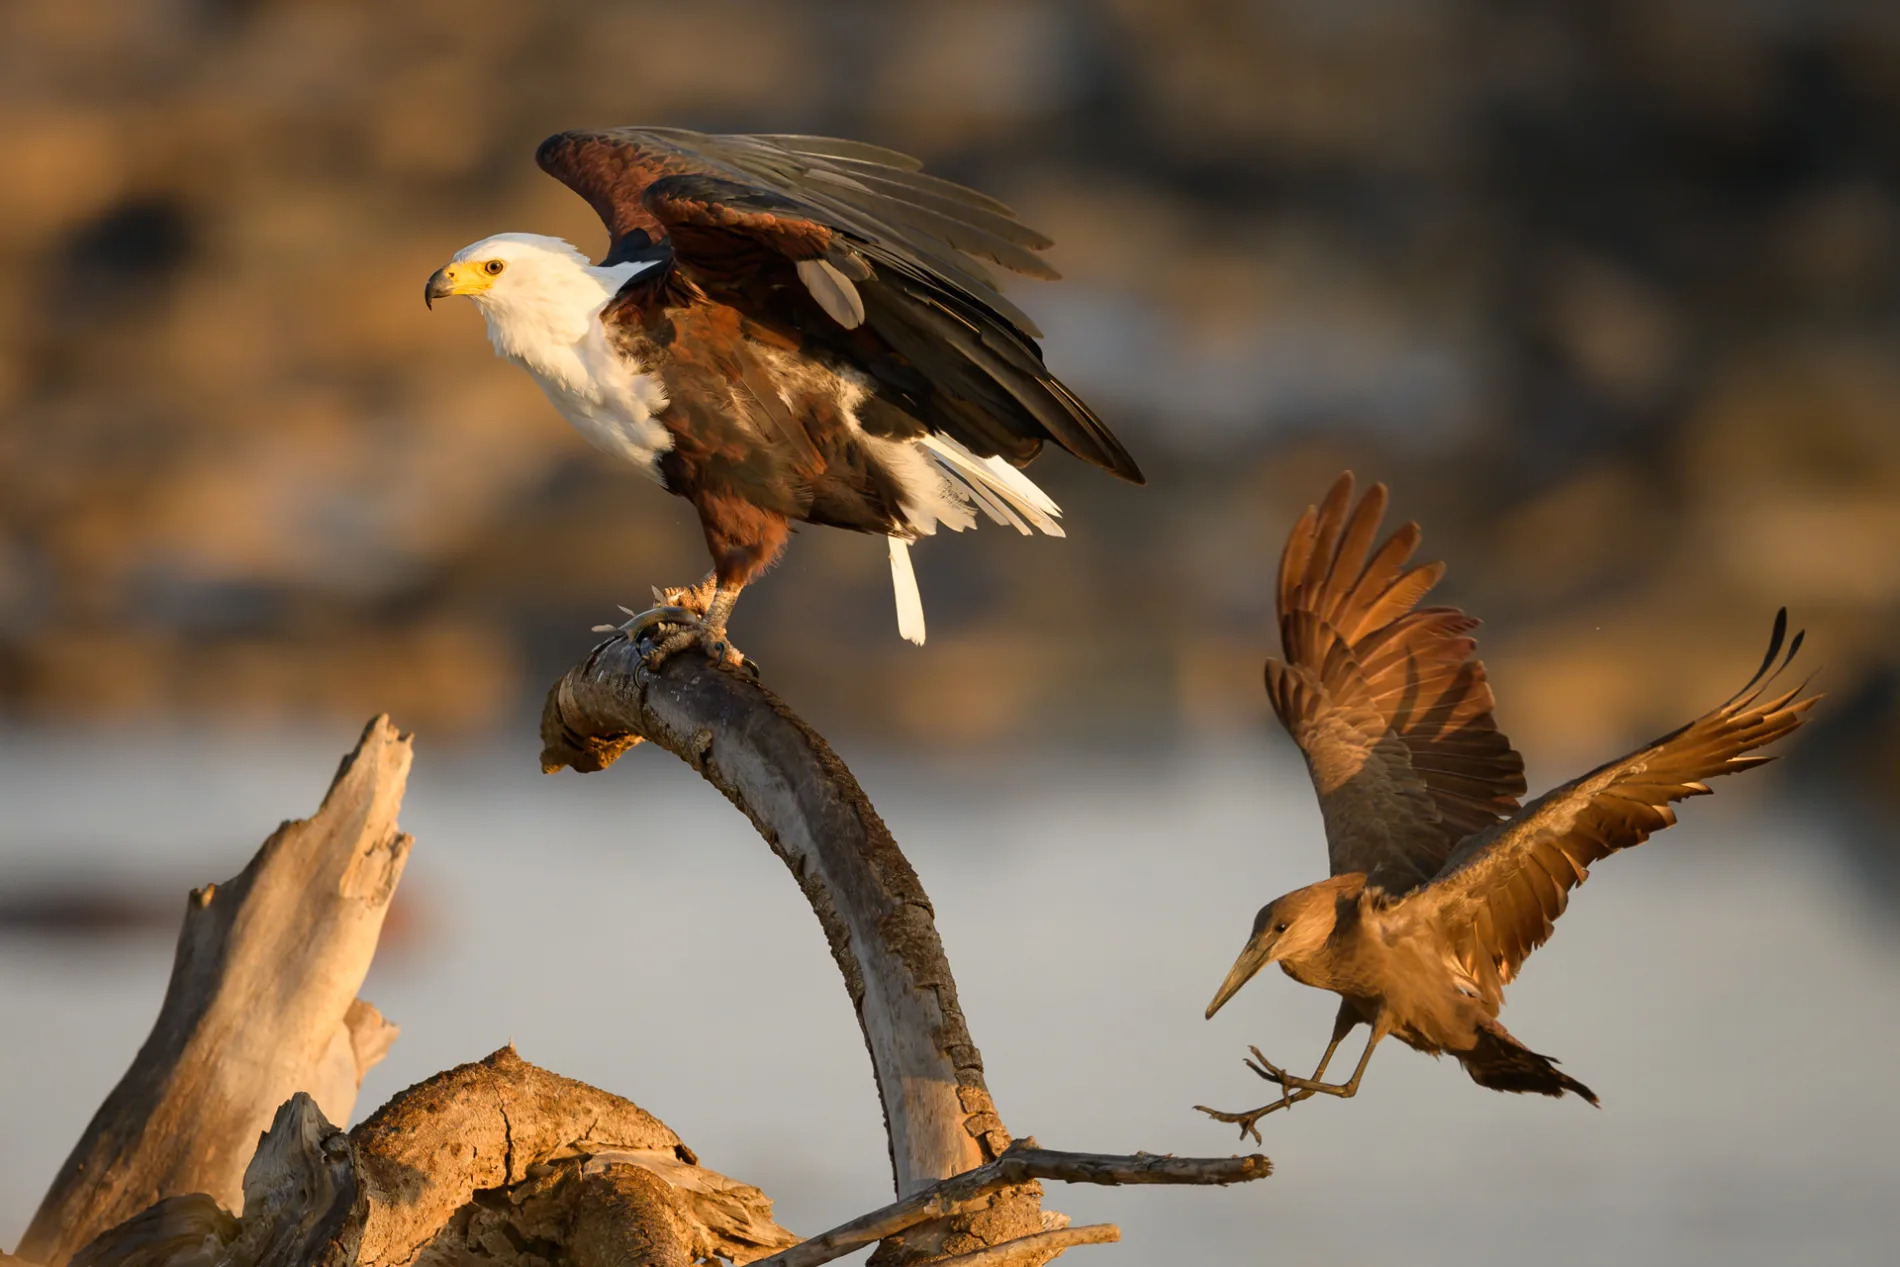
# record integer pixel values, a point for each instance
(1441, 884)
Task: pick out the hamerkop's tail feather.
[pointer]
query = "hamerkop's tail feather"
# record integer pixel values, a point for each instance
(1502, 1063)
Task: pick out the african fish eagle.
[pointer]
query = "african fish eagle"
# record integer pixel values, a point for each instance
(786, 328)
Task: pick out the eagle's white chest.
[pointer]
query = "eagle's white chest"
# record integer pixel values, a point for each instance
(545, 317)
(605, 397)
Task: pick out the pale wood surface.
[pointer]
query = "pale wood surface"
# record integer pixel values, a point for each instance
(262, 1004)
(1037, 1247)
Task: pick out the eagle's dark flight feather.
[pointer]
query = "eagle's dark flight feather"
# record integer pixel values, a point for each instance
(731, 218)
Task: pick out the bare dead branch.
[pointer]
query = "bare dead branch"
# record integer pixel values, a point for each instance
(938, 1113)
(1037, 1248)
(262, 1003)
(1022, 1162)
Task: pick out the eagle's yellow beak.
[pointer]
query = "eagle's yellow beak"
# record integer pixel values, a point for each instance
(454, 279)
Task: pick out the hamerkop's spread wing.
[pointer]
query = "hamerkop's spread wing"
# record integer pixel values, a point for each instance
(1501, 892)
(1383, 697)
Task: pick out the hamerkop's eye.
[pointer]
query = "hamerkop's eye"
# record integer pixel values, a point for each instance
(1279, 928)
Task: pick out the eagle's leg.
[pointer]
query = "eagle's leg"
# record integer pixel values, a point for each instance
(693, 598)
(744, 540)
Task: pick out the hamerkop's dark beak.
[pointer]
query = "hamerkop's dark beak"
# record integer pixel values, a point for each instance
(1255, 957)
(437, 287)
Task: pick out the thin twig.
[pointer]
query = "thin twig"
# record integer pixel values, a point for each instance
(1039, 1247)
(1019, 1164)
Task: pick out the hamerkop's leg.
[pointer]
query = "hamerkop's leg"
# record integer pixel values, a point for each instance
(1342, 1025)
(1313, 1086)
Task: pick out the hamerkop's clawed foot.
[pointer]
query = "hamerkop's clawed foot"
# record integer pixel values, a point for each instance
(1248, 1121)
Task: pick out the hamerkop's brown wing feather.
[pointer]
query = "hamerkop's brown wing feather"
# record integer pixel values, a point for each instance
(1383, 697)
(1501, 892)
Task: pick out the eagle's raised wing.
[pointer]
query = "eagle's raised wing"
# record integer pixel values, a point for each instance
(1384, 697)
(850, 247)
(1501, 892)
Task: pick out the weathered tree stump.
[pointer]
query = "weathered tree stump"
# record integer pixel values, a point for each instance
(262, 1004)
(496, 1162)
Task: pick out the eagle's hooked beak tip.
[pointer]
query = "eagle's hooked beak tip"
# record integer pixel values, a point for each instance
(439, 286)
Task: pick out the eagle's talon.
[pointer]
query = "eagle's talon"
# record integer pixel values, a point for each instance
(646, 623)
(662, 632)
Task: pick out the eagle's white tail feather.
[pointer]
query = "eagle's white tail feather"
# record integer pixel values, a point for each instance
(995, 507)
(997, 485)
(910, 604)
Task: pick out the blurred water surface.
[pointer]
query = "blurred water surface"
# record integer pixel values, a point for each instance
(1732, 1004)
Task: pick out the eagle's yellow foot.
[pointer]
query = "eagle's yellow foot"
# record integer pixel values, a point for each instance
(661, 632)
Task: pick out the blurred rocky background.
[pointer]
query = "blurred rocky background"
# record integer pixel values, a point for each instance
(1609, 292)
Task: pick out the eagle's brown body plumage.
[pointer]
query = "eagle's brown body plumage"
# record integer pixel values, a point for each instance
(829, 347)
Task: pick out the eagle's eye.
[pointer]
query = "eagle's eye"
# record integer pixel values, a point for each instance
(493, 267)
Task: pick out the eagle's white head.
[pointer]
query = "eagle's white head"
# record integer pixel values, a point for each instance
(537, 293)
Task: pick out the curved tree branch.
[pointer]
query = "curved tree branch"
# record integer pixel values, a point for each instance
(938, 1114)
(809, 808)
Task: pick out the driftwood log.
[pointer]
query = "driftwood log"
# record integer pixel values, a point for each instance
(262, 1004)
(502, 1163)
